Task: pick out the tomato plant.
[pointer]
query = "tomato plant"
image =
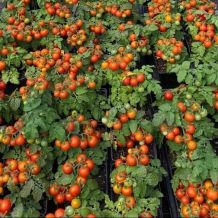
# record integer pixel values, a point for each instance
(77, 84)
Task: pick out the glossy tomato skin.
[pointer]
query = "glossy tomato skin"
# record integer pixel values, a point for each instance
(168, 95)
(5, 205)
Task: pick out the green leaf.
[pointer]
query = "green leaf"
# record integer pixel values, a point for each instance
(15, 103)
(37, 193)
(31, 104)
(133, 125)
(181, 75)
(126, 130)
(214, 175)
(18, 210)
(170, 118)
(120, 137)
(211, 78)
(158, 119)
(56, 131)
(25, 192)
(165, 107)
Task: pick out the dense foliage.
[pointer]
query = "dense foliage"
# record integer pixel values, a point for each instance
(76, 85)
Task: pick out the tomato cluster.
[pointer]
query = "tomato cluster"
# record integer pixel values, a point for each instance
(117, 11)
(131, 79)
(205, 29)
(169, 49)
(83, 166)
(198, 200)
(12, 136)
(60, 54)
(18, 172)
(135, 156)
(190, 112)
(89, 136)
(119, 62)
(57, 9)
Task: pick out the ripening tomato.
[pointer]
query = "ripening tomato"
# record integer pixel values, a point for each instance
(75, 190)
(180, 193)
(212, 194)
(60, 198)
(118, 162)
(144, 149)
(92, 141)
(117, 188)
(127, 190)
(74, 141)
(189, 117)
(90, 164)
(120, 177)
(84, 171)
(149, 138)
(138, 136)
(144, 159)
(191, 192)
(53, 190)
(81, 158)
(5, 205)
(75, 203)
(131, 160)
(67, 168)
(123, 118)
(130, 202)
(50, 215)
(60, 213)
(185, 200)
(168, 95)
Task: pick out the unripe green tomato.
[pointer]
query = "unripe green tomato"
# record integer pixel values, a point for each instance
(189, 96)
(144, 50)
(27, 20)
(98, 15)
(109, 124)
(197, 83)
(44, 143)
(69, 211)
(164, 57)
(104, 120)
(84, 212)
(197, 117)
(177, 57)
(74, 114)
(203, 112)
(101, 10)
(141, 89)
(149, 76)
(38, 141)
(113, 52)
(127, 106)
(149, 52)
(128, 47)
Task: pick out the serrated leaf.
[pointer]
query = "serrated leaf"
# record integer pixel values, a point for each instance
(25, 192)
(31, 104)
(133, 125)
(165, 107)
(37, 193)
(170, 118)
(181, 75)
(18, 210)
(56, 132)
(159, 119)
(15, 103)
